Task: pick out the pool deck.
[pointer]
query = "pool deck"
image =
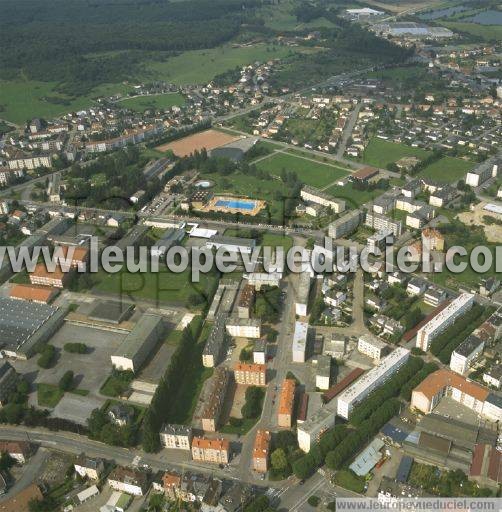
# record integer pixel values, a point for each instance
(212, 205)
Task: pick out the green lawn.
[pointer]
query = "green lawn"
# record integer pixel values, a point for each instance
(380, 153)
(21, 100)
(201, 66)
(353, 196)
(312, 173)
(162, 286)
(158, 102)
(242, 429)
(48, 395)
(447, 169)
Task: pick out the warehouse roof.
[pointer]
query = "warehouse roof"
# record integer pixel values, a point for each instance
(135, 339)
(20, 320)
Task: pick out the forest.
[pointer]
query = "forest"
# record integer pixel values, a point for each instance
(82, 44)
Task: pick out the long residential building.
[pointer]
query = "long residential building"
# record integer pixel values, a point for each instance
(216, 392)
(345, 224)
(380, 222)
(139, 343)
(261, 449)
(250, 374)
(314, 195)
(215, 344)
(370, 381)
(443, 320)
(30, 162)
(426, 396)
(302, 294)
(286, 403)
(299, 347)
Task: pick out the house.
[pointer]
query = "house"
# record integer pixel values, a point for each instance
(88, 467)
(20, 451)
(120, 414)
(416, 286)
(128, 480)
(493, 377)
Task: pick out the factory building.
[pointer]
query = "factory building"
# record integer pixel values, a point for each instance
(139, 343)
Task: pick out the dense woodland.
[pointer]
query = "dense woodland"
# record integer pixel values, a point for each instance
(81, 44)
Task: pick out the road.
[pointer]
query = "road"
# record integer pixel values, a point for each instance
(347, 131)
(76, 444)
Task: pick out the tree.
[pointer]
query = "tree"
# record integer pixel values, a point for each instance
(304, 467)
(6, 461)
(279, 460)
(66, 381)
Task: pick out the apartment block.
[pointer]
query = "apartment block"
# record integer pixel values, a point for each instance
(286, 403)
(261, 450)
(216, 391)
(244, 327)
(250, 374)
(463, 357)
(345, 224)
(372, 346)
(178, 437)
(44, 277)
(216, 451)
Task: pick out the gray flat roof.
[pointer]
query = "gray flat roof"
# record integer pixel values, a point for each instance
(135, 339)
(20, 320)
(469, 345)
(232, 240)
(110, 311)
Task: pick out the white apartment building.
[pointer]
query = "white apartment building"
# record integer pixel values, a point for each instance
(323, 372)
(177, 437)
(371, 346)
(443, 320)
(259, 279)
(314, 195)
(300, 342)
(311, 430)
(302, 294)
(250, 374)
(244, 327)
(466, 353)
(30, 162)
(370, 381)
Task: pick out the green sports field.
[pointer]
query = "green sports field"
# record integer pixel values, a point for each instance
(380, 153)
(316, 174)
(447, 169)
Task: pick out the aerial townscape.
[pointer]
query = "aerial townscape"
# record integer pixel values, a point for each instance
(154, 127)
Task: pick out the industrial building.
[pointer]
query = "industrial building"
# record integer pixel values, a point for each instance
(300, 339)
(26, 325)
(139, 343)
(370, 381)
(215, 343)
(302, 294)
(231, 244)
(169, 238)
(310, 431)
(443, 320)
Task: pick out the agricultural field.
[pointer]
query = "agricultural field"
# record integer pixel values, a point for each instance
(380, 153)
(447, 169)
(308, 171)
(156, 102)
(485, 32)
(201, 66)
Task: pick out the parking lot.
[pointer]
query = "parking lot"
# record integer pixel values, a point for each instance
(90, 369)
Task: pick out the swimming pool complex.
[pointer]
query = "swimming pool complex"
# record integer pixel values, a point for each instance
(234, 204)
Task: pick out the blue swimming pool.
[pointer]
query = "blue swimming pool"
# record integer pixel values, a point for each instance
(235, 204)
